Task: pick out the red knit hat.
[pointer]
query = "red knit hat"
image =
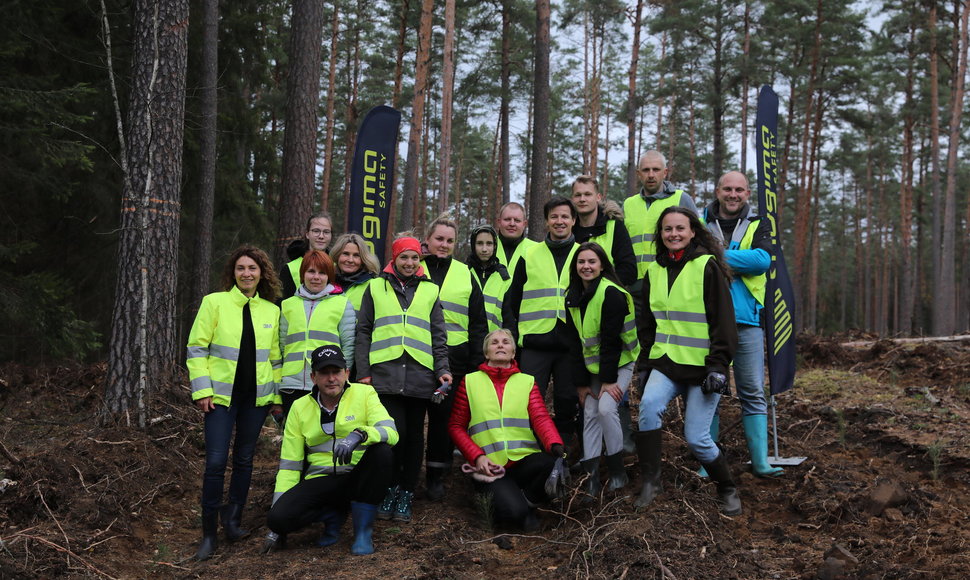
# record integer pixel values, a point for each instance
(401, 245)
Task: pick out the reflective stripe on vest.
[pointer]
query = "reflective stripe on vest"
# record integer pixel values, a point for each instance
(503, 431)
(397, 331)
(681, 315)
(455, 293)
(494, 295)
(543, 295)
(590, 328)
(641, 222)
(300, 341)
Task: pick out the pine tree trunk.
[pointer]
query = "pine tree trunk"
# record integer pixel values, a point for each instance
(209, 96)
(906, 294)
(504, 105)
(331, 110)
(142, 359)
(447, 90)
(632, 105)
(300, 133)
(411, 166)
(745, 85)
(540, 185)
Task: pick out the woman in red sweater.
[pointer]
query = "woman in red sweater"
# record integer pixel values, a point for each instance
(500, 424)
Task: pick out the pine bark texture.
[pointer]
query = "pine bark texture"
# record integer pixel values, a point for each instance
(540, 181)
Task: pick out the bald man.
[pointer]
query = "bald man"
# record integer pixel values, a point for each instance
(747, 242)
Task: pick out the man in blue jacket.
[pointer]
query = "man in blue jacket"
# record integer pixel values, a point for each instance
(747, 239)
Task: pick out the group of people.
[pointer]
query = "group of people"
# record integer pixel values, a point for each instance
(355, 360)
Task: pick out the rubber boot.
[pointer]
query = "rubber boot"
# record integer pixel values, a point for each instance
(756, 433)
(210, 536)
(592, 485)
(618, 476)
(231, 520)
(363, 517)
(727, 491)
(715, 433)
(648, 453)
(402, 509)
(435, 483)
(625, 425)
(386, 508)
(333, 520)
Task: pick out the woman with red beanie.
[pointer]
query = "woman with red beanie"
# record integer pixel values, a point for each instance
(402, 351)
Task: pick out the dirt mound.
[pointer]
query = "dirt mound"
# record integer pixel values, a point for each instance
(879, 496)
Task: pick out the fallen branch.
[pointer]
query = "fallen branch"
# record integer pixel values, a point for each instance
(918, 340)
(43, 501)
(66, 551)
(6, 452)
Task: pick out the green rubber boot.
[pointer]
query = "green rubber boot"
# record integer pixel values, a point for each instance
(756, 432)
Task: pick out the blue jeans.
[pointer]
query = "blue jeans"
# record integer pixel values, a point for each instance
(749, 370)
(219, 424)
(698, 412)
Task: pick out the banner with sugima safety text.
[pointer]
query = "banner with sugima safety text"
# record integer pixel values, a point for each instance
(779, 307)
(372, 177)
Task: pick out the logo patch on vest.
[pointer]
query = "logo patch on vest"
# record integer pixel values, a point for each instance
(268, 325)
(349, 418)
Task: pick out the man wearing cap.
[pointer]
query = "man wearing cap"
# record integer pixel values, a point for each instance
(345, 435)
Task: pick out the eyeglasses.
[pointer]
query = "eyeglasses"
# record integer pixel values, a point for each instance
(734, 189)
(320, 232)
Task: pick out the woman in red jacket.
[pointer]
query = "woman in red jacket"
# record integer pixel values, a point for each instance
(500, 423)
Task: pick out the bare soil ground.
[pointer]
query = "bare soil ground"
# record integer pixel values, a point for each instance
(883, 494)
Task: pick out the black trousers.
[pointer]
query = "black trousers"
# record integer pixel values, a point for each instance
(303, 503)
(408, 414)
(542, 365)
(524, 480)
(440, 445)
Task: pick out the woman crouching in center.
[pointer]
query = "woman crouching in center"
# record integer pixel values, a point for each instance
(500, 423)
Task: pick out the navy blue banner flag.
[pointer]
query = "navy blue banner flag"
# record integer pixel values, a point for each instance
(372, 177)
(779, 297)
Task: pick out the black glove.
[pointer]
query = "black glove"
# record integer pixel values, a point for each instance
(557, 449)
(715, 383)
(343, 451)
(558, 479)
(440, 393)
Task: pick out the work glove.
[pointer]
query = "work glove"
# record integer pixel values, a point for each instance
(440, 393)
(343, 451)
(277, 414)
(558, 479)
(272, 543)
(715, 383)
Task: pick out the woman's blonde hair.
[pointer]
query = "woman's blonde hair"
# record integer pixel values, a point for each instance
(488, 337)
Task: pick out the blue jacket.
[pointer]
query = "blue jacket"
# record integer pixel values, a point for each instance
(752, 261)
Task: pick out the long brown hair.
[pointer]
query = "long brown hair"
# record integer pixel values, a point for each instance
(269, 283)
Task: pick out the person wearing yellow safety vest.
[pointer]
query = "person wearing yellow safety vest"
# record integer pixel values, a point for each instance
(233, 358)
(463, 307)
(512, 243)
(688, 336)
(642, 210)
(344, 434)
(355, 265)
(501, 426)
(319, 232)
(747, 242)
(604, 350)
(603, 224)
(316, 315)
(402, 351)
(535, 312)
(490, 275)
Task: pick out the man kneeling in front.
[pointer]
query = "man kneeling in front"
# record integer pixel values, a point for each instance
(344, 434)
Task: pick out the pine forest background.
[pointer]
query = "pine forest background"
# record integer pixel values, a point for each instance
(874, 175)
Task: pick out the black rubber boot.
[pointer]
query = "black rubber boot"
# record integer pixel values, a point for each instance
(648, 453)
(618, 476)
(727, 492)
(434, 483)
(210, 536)
(231, 520)
(592, 485)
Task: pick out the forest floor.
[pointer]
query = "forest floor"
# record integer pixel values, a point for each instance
(883, 492)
